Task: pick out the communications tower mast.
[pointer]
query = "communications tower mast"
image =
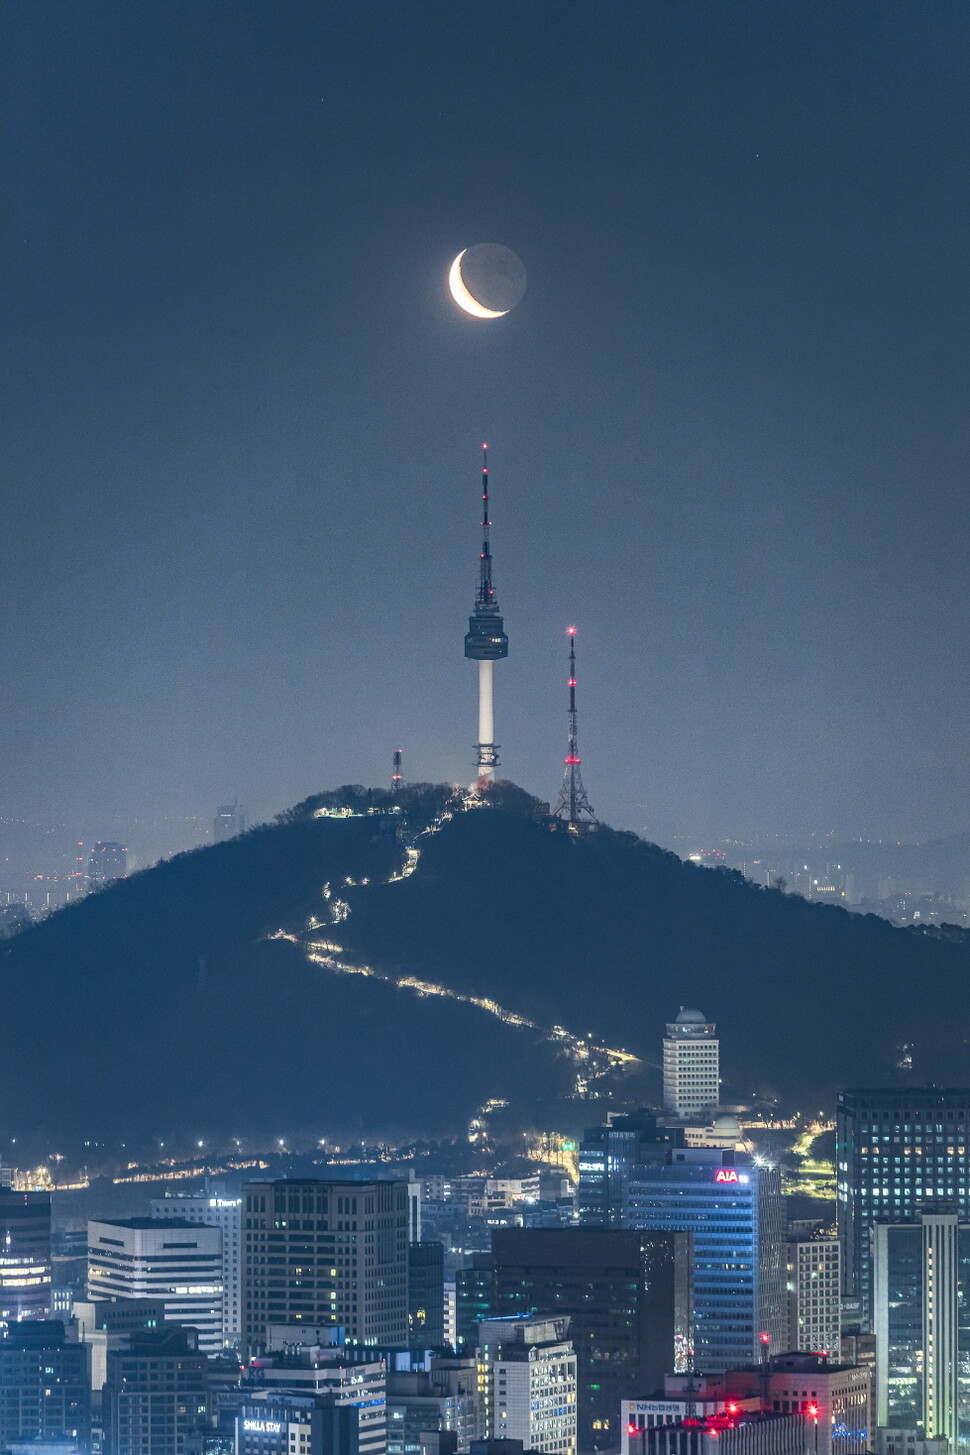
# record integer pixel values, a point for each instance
(486, 643)
(573, 805)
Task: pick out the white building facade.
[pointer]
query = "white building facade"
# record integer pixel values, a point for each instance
(691, 1065)
(223, 1213)
(167, 1259)
(814, 1296)
(527, 1373)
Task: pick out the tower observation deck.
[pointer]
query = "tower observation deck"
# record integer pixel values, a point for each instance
(486, 643)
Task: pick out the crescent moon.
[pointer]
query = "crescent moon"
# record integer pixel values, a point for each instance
(463, 298)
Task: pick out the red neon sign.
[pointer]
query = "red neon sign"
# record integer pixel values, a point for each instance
(726, 1174)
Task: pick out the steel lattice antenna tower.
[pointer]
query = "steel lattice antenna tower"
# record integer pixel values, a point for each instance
(573, 805)
(397, 776)
(486, 643)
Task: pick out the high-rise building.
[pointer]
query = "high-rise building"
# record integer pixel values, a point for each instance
(692, 1084)
(835, 1398)
(45, 1392)
(814, 1295)
(224, 1213)
(606, 1155)
(347, 1377)
(922, 1323)
(324, 1253)
(763, 1432)
(108, 862)
(527, 1372)
(156, 1392)
(896, 1149)
(282, 1424)
(25, 1255)
(426, 1294)
(444, 1398)
(161, 1258)
(473, 1299)
(734, 1211)
(627, 1296)
(107, 1323)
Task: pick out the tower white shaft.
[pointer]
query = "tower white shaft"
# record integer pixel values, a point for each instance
(486, 718)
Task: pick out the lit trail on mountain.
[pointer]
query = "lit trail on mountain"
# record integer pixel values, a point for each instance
(591, 1061)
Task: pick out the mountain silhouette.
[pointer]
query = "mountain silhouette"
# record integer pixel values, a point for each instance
(320, 975)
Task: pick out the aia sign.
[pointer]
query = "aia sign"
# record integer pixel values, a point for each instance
(726, 1174)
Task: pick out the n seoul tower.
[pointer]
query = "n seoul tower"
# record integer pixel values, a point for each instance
(486, 643)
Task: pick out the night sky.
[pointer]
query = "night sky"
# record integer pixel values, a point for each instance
(728, 424)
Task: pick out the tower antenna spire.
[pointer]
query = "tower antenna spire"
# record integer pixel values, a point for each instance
(486, 643)
(397, 773)
(573, 806)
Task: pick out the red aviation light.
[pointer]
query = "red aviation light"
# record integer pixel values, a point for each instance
(765, 1338)
(567, 761)
(631, 1429)
(812, 1410)
(570, 631)
(572, 682)
(733, 1409)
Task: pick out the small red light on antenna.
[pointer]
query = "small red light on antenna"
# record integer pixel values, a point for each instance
(484, 447)
(570, 631)
(765, 1338)
(572, 682)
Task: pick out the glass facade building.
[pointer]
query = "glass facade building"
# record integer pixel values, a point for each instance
(733, 1209)
(25, 1255)
(921, 1299)
(896, 1151)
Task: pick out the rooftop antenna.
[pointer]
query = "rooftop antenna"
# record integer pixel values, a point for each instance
(573, 806)
(486, 643)
(397, 777)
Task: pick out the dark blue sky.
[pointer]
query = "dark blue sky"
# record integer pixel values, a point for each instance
(728, 422)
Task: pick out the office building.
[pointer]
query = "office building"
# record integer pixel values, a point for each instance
(426, 1294)
(733, 1209)
(45, 1391)
(444, 1398)
(161, 1258)
(323, 1253)
(473, 1299)
(157, 1390)
(814, 1295)
(224, 1213)
(606, 1155)
(896, 1150)
(834, 1401)
(627, 1296)
(107, 862)
(692, 1086)
(837, 1398)
(25, 1255)
(734, 1433)
(295, 1425)
(527, 1372)
(107, 1323)
(348, 1378)
(922, 1325)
